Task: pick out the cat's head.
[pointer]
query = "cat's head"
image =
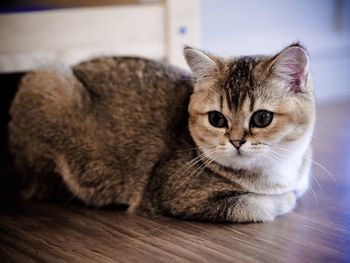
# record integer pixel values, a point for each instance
(252, 111)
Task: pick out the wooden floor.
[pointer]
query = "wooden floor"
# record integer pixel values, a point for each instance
(318, 230)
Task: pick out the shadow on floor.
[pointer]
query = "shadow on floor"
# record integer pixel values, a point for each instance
(9, 185)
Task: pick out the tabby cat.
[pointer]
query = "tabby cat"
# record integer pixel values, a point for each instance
(229, 143)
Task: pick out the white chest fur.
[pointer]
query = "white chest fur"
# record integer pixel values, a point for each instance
(289, 171)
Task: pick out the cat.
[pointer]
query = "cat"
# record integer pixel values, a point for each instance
(228, 143)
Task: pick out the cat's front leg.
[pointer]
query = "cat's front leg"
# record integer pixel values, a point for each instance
(260, 208)
(242, 208)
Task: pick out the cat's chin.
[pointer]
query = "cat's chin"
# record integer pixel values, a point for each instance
(242, 162)
(237, 160)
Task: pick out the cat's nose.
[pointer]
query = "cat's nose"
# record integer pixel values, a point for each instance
(238, 143)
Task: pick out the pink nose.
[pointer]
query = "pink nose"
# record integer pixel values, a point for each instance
(238, 143)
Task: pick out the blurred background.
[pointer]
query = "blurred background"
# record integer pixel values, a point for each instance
(39, 33)
(36, 33)
(232, 27)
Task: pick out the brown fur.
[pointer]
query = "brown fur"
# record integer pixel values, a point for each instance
(117, 130)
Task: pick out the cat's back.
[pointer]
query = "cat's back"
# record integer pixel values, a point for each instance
(136, 97)
(129, 102)
(138, 80)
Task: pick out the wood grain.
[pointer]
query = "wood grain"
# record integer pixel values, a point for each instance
(318, 230)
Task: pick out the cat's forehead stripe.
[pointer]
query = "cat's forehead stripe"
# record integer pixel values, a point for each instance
(252, 102)
(228, 99)
(239, 82)
(221, 102)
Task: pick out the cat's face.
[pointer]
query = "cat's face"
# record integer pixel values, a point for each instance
(244, 113)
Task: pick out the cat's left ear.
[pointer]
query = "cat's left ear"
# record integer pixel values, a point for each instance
(291, 66)
(201, 64)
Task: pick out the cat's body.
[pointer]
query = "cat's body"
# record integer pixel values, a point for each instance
(118, 131)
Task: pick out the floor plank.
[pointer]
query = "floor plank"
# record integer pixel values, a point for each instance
(318, 230)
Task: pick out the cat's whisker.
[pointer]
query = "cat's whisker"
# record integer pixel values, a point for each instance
(202, 167)
(275, 158)
(190, 164)
(195, 159)
(315, 196)
(209, 147)
(326, 171)
(317, 138)
(312, 161)
(313, 177)
(273, 161)
(216, 158)
(193, 174)
(197, 172)
(317, 182)
(193, 162)
(311, 174)
(265, 157)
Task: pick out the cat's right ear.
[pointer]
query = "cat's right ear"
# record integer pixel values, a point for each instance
(291, 66)
(202, 66)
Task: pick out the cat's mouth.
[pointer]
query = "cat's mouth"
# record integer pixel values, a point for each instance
(242, 155)
(239, 152)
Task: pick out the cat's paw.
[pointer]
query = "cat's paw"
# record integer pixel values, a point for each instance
(262, 208)
(284, 203)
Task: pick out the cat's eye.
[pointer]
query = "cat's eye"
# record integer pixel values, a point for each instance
(217, 119)
(261, 119)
